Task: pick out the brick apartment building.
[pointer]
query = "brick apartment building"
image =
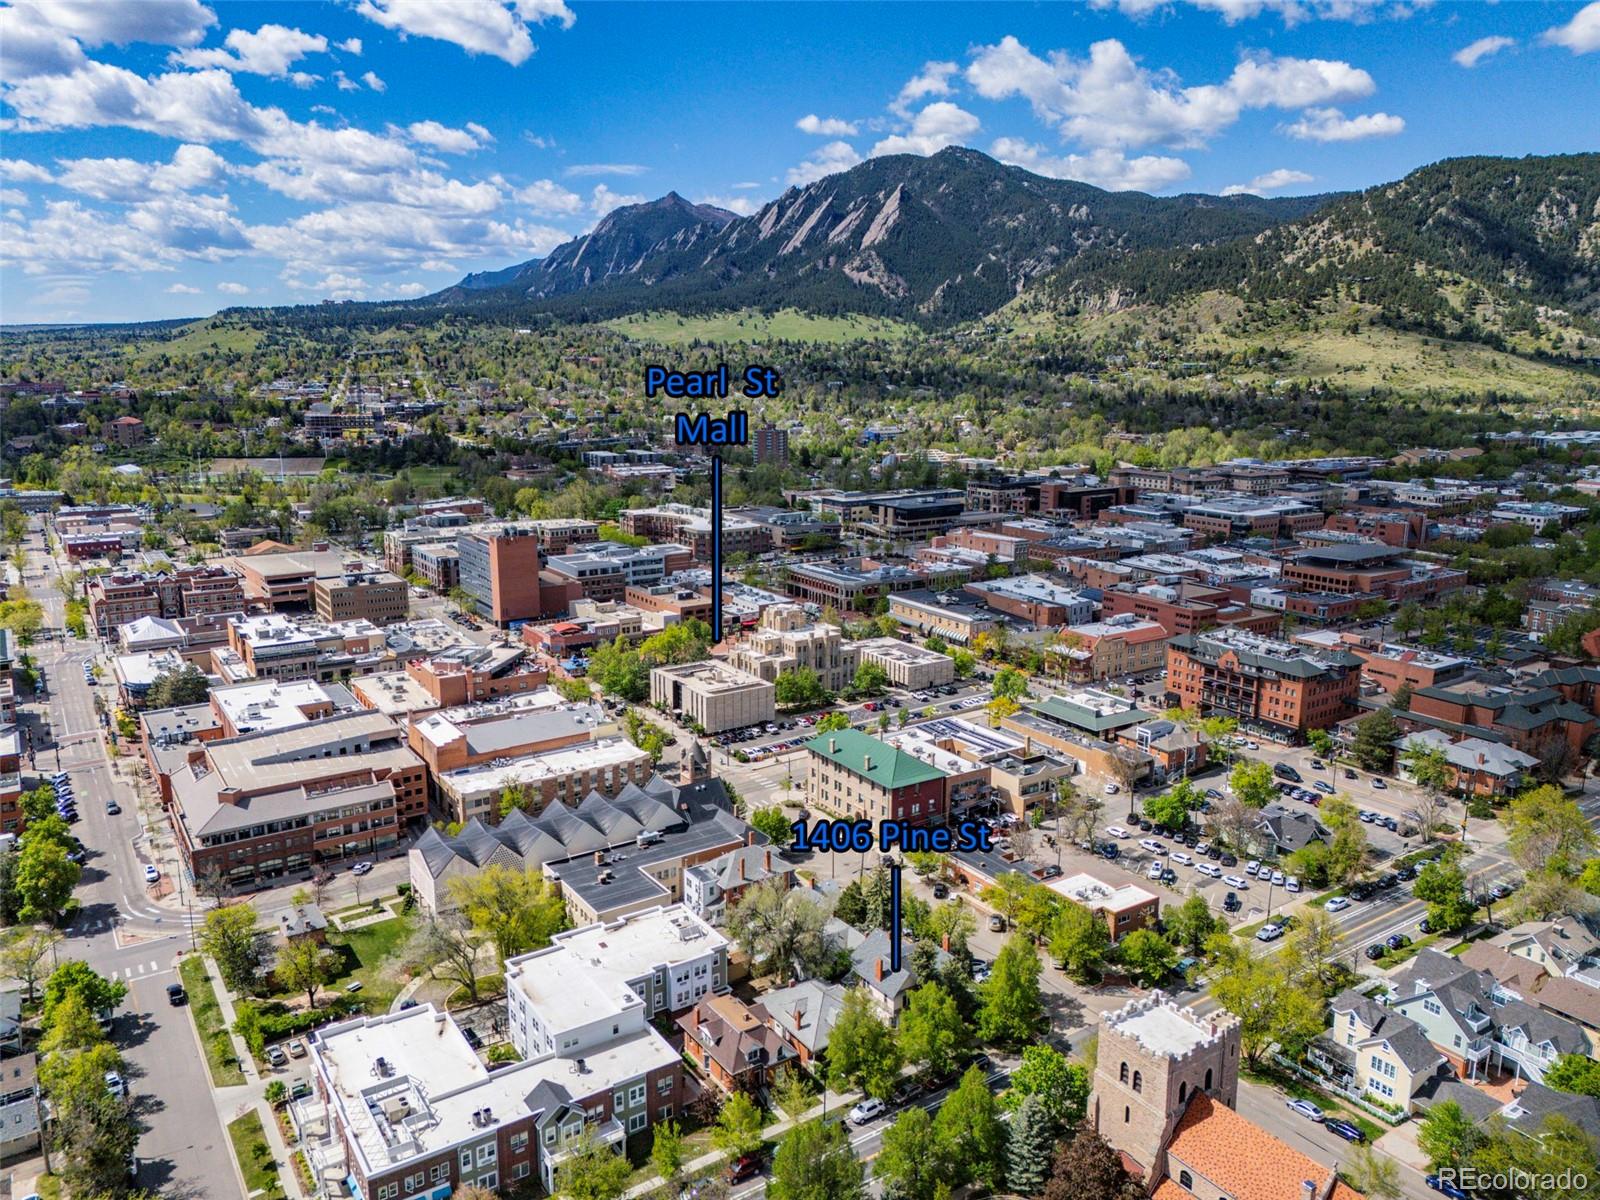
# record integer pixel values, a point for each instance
(117, 599)
(1247, 516)
(691, 527)
(1125, 645)
(1182, 606)
(1034, 599)
(1269, 686)
(852, 775)
(1401, 528)
(1367, 567)
(1036, 494)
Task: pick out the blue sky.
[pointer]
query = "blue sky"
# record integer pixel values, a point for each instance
(169, 158)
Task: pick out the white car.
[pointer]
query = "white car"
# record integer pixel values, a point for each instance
(1210, 870)
(1182, 859)
(868, 1110)
(1237, 882)
(1152, 845)
(1112, 789)
(1155, 869)
(1252, 868)
(1269, 933)
(1116, 831)
(1338, 904)
(1291, 884)
(1277, 878)
(152, 873)
(361, 868)
(116, 1085)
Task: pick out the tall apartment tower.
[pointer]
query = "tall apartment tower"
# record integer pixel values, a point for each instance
(1153, 1057)
(770, 444)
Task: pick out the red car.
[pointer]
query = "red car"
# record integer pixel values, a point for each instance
(746, 1166)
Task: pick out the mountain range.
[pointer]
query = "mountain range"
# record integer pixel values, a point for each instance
(935, 240)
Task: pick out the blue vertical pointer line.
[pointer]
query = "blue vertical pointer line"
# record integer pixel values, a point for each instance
(894, 920)
(716, 547)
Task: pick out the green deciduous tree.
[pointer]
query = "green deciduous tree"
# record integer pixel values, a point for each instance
(75, 977)
(800, 687)
(783, 929)
(815, 1161)
(305, 966)
(1148, 957)
(517, 911)
(738, 1127)
(24, 955)
(1061, 1088)
(1173, 806)
(968, 1133)
(1252, 783)
(594, 1171)
(173, 689)
(1191, 925)
(45, 879)
(1374, 1175)
(1012, 1005)
(862, 1052)
(1443, 885)
(233, 937)
(666, 1151)
(1574, 1073)
(1373, 744)
(932, 1034)
(771, 822)
(1010, 683)
(1079, 941)
(1547, 831)
(907, 1164)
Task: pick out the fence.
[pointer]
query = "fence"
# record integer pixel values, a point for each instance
(1350, 1095)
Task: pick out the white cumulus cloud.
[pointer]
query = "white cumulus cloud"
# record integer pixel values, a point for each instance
(546, 198)
(1581, 35)
(350, 46)
(477, 26)
(826, 126)
(603, 200)
(1331, 125)
(442, 137)
(580, 170)
(17, 170)
(932, 80)
(230, 288)
(1292, 11)
(370, 78)
(192, 167)
(1485, 47)
(270, 50)
(827, 159)
(938, 125)
(97, 23)
(1272, 181)
(742, 205)
(182, 289)
(1110, 99)
(1104, 167)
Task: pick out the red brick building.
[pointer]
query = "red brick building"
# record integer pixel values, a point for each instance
(1267, 685)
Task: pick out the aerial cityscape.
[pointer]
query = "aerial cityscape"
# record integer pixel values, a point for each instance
(816, 601)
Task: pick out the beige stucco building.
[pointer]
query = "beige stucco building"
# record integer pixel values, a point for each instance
(714, 695)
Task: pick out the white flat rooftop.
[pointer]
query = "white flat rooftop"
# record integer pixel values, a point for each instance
(533, 768)
(1095, 893)
(1163, 1030)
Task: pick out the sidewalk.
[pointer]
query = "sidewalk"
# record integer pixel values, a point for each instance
(254, 1096)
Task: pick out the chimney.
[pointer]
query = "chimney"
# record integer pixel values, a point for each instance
(878, 970)
(749, 837)
(599, 858)
(867, 761)
(833, 745)
(799, 1017)
(768, 864)
(742, 875)
(1308, 1189)
(944, 943)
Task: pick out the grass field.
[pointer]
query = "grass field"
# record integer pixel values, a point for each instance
(442, 478)
(251, 1148)
(200, 337)
(668, 328)
(207, 1013)
(366, 956)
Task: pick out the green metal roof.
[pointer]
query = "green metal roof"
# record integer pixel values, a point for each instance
(877, 761)
(1058, 708)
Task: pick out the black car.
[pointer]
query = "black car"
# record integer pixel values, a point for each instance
(1345, 1130)
(1406, 874)
(1374, 952)
(1425, 926)
(1213, 853)
(1230, 860)
(1391, 825)
(1360, 891)
(1190, 840)
(1397, 941)
(1109, 851)
(1230, 902)
(472, 1037)
(1388, 879)
(940, 891)
(1349, 774)
(1145, 827)
(176, 996)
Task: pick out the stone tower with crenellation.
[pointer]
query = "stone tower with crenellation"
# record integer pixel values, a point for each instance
(1153, 1056)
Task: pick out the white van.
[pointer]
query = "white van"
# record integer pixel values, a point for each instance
(1182, 859)
(1211, 869)
(1116, 831)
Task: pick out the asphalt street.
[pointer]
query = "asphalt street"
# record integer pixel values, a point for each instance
(120, 930)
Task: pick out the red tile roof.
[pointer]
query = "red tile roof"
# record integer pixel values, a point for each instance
(1241, 1158)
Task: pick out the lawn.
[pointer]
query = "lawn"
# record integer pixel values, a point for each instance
(747, 325)
(207, 1014)
(365, 956)
(1299, 1089)
(254, 1153)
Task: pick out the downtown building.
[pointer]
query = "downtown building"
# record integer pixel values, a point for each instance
(849, 774)
(1270, 687)
(121, 598)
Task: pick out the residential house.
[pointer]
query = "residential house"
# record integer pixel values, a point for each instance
(734, 1044)
(803, 1015)
(1375, 1051)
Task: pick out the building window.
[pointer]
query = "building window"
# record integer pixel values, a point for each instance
(1127, 1114)
(1183, 1091)
(440, 1172)
(520, 1171)
(1122, 1075)
(486, 1154)
(519, 1142)
(1185, 1180)
(1208, 1079)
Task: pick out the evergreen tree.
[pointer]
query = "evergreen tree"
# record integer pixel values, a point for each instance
(1028, 1148)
